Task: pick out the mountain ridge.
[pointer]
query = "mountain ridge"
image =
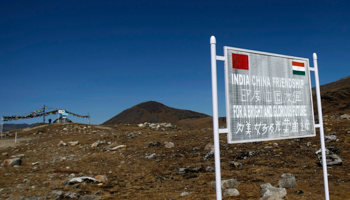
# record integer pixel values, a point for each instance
(153, 112)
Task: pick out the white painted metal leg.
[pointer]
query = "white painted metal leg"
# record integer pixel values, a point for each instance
(215, 118)
(320, 119)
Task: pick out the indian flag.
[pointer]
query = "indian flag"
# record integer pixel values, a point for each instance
(298, 68)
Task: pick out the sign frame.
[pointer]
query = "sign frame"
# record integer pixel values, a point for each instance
(248, 54)
(216, 130)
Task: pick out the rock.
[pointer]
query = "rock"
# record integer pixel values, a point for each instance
(231, 192)
(230, 183)
(12, 162)
(58, 195)
(331, 158)
(153, 144)
(196, 149)
(209, 147)
(299, 192)
(287, 181)
(182, 171)
(152, 156)
(210, 154)
(58, 159)
(268, 192)
(344, 116)
(173, 127)
(71, 195)
(61, 143)
(90, 197)
(102, 178)
(95, 144)
(142, 125)
(5, 154)
(195, 170)
(236, 164)
(18, 156)
(185, 194)
(334, 149)
(169, 145)
(35, 163)
(73, 143)
(210, 169)
(329, 138)
(84, 179)
(117, 147)
(246, 155)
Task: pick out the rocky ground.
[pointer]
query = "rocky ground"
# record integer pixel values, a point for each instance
(71, 161)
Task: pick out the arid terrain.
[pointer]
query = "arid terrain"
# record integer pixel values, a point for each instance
(132, 174)
(122, 160)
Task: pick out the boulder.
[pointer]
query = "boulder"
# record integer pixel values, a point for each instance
(331, 158)
(210, 154)
(152, 156)
(61, 143)
(95, 144)
(268, 192)
(329, 138)
(169, 145)
(102, 178)
(12, 162)
(210, 169)
(231, 192)
(287, 181)
(117, 147)
(229, 183)
(185, 194)
(73, 143)
(153, 144)
(84, 179)
(18, 156)
(209, 147)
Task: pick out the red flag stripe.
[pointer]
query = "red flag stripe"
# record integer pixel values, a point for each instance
(298, 64)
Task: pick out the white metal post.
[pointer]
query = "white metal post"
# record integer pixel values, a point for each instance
(320, 121)
(215, 118)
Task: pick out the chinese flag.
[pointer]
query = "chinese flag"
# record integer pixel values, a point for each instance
(240, 61)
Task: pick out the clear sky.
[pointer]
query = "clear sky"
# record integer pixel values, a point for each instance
(102, 57)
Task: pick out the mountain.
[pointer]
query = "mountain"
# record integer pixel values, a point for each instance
(9, 127)
(152, 111)
(335, 97)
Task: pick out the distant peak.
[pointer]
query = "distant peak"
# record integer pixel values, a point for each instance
(151, 106)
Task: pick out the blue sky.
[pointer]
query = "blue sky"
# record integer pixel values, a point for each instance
(102, 57)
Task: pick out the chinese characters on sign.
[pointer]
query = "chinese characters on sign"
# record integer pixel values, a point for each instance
(268, 96)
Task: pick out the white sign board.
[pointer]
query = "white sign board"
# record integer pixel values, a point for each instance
(268, 96)
(61, 111)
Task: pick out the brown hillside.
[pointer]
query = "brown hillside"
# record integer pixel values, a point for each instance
(335, 97)
(152, 112)
(145, 168)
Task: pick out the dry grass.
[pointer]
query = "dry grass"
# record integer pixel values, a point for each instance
(133, 176)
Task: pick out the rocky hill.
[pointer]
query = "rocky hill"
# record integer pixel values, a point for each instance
(152, 111)
(72, 161)
(335, 97)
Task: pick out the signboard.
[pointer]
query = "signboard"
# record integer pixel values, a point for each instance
(61, 111)
(268, 96)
